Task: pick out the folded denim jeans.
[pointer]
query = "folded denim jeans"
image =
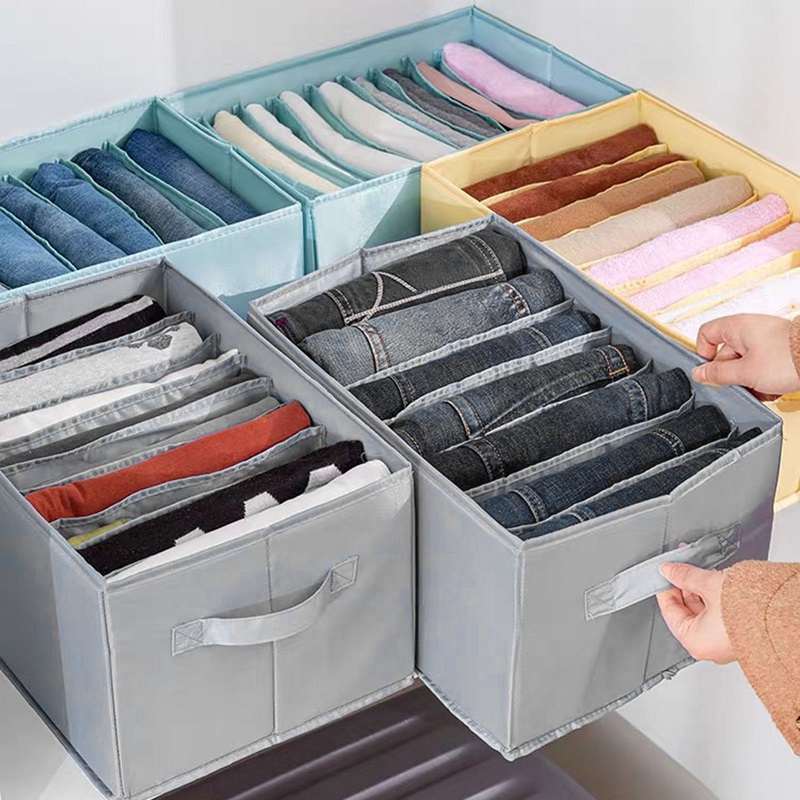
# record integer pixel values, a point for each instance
(98, 326)
(657, 485)
(79, 244)
(477, 260)
(387, 397)
(551, 494)
(355, 352)
(160, 157)
(83, 201)
(23, 260)
(215, 510)
(166, 219)
(561, 427)
(477, 411)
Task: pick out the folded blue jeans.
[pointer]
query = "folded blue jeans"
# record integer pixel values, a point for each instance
(657, 485)
(561, 427)
(477, 260)
(22, 259)
(80, 245)
(168, 221)
(358, 351)
(160, 157)
(81, 200)
(387, 397)
(479, 410)
(551, 494)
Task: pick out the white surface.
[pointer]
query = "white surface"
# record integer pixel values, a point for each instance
(732, 63)
(61, 60)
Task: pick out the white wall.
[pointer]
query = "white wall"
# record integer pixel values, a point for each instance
(732, 63)
(61, 60)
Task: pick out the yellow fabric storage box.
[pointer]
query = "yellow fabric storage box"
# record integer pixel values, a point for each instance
(445, 203)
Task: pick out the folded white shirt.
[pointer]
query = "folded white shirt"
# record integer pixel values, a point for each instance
(33, 421)
(356, 478)
(284, 136)
(380, 127)
(367, 159)
(233, 130)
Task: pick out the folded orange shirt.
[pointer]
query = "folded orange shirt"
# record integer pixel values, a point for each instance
(209, 453)
(556, 194)
(604, 151)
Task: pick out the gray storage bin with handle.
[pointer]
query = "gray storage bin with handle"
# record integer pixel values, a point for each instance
(164, 676)
(527, 640)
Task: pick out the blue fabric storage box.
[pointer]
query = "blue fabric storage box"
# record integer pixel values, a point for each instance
(234, 262)
(386, 209)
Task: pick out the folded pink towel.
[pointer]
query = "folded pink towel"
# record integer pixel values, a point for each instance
(504, 85)
(678, 245)
(473, 100)
(719, 271)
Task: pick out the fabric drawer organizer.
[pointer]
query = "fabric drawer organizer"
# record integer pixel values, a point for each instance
(320, 604)
(526, 640)
(373, 211)
(445, 202)
(246, 248)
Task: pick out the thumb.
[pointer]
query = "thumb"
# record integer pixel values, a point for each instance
(686, 577)
(722, 372)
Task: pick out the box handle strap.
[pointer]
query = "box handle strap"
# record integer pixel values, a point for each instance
(269, 627)
(644, 580)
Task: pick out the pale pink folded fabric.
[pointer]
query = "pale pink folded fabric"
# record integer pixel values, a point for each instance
(719, 271)
(691, 240)
(503, 84)
(778, 296)
(473, 100)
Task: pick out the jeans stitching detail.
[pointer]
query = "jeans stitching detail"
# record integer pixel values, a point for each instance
(404, 387)
(521, 308)
(488, 254)
(489, 445)
(467, 429)
(674, 442)
(342, 303)
(376, 343)
(533, 500)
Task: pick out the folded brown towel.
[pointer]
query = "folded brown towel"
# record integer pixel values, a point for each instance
(622, 197)
(604, 151)
(547, 197)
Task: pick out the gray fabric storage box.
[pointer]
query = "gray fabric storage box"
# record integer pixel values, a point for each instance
(101, 660)
(525, 641)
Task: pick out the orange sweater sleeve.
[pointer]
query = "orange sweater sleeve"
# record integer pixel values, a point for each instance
(761, 609)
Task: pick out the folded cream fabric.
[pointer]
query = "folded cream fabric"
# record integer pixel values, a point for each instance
(473, 100)
(233, 130)
(382, 128)
(284, 136)
(632, 228)
(616, 200)
(503, 84)
(778, 296)
(604, 151)
(717, 272)
(546, 197)
(351, 481)
(355, 154)
(688, 246)
(33, 421)
(79, 375)
(408, 111)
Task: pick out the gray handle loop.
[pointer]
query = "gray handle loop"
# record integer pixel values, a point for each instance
(644, 580)
(269, 627)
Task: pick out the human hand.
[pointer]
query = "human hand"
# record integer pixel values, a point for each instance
(693, 611)
(755, 353)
